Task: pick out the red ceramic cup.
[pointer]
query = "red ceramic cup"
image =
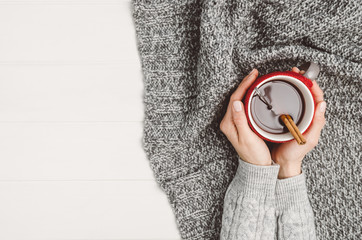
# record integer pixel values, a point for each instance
(303, 83)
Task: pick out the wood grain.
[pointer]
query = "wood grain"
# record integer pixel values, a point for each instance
(72, 165)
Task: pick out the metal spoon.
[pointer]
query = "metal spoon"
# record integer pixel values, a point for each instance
(264, 100)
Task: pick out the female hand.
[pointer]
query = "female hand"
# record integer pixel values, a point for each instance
(234, 125)
(289, 155)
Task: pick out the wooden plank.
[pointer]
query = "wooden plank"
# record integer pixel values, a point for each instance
(71, 93)
(67, 32)
(73, 151)
(85, 210)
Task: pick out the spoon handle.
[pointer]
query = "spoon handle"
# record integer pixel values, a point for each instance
(262, 98)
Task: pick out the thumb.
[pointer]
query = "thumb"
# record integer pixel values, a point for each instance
(318, 121)
(239, 117)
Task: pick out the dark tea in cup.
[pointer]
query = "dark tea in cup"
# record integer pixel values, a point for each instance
(285, 98)
(281, 93)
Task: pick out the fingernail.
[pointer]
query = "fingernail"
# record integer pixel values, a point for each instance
(237, 106)
(251, 74)
(298, 70)
(251, 71)
(322, 107)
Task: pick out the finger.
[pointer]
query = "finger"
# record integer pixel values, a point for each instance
(317, 92)
(295, 69)
(228, 127)
(317, 124)
(239, 119)
(239, 92)
(230, 131)
(244, 85)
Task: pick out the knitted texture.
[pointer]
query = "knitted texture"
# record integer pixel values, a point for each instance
(257, 205)
(295, 215)
(249, 204)
(195, 53)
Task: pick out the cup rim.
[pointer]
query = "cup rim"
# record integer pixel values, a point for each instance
(303, 84)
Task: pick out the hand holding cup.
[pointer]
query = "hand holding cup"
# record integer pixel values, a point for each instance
(252, 148)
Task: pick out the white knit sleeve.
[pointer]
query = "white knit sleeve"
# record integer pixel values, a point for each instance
(294, 212)
(249, 203)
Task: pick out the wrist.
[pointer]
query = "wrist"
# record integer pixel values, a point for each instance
(289, 169)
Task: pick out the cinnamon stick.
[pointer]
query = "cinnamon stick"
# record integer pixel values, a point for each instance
(296, 129)
(293, 129)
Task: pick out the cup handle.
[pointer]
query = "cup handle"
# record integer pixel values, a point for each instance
(311, 70)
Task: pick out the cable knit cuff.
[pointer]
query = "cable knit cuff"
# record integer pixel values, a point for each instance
(255, 180)
(291, 192)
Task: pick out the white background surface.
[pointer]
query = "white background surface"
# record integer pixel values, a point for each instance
(71, 119)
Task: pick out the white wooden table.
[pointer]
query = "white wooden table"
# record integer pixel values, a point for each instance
(72, 164)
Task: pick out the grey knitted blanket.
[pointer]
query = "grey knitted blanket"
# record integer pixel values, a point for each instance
(195, 53)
